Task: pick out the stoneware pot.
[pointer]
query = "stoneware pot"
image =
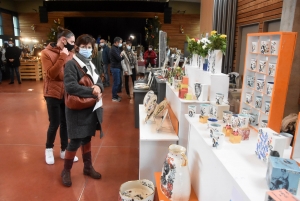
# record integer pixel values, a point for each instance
(264, 123)
(246, 110)
(270, 88)
(211, 121)
(262, 66)
(198, 89)
(253, 119)
(253, 64)
(234, 121)
(250, 81)
(274, 47)
(260, 84)
(175, 182)
(192, 110)
(218, 139)
(267, 107)
(214, 128)
(248, 97)
(258, 102)
(219, 98)
(272, 68)
(204, 109)
(139, 190)
(243, 121)
(264, 47)
(227, 117)
(254, 47)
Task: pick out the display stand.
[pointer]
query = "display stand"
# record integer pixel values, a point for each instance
(296, 144)
(138, 96)
(31, 70)
(162, 197)
(153, 145)
(227, 173)
(159, 87)
(269, 57)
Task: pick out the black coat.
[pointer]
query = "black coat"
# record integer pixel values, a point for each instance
(115, 57)
(106, 55)
(13, 53)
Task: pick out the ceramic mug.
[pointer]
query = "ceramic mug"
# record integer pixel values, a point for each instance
(264, 47)
(248, 97)
(211, 121)
(254, 47)
(260, 84)
(246, 110)
(234, 121)
(192, 110)
(264, 123)
(274, 47)
(219, 98)
(272, 68)
(250, 81)
(243, 120)
(213, 111)
(204, 109)
(227, 116)
(262, 65)
(253, 64)
(177, 84)
(253, 119)
(218, 139)
(258, 102)
(267, 106)
(289, 138)
(214, 128)
(270, 88)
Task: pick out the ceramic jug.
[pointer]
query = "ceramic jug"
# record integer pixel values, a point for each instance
(175, 182)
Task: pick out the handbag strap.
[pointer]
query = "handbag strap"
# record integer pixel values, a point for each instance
(77, 64)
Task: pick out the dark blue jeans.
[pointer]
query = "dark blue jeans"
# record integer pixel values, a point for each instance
(12, 74)
(116, 76)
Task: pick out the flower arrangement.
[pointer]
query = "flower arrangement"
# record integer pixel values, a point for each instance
(217, 41)
(203, 47)
(177, 73)
(192, 45)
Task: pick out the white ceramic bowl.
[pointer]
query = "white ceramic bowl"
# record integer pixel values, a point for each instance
(139, 190)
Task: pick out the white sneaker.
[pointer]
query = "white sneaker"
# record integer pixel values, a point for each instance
(49, 156)
(63, 153)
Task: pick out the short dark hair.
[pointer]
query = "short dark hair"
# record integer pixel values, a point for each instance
(117, 39)
(150, 46)
(84, 39)
(64, 32)
(128, 42)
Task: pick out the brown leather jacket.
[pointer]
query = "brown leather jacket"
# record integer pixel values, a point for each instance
(53, 64)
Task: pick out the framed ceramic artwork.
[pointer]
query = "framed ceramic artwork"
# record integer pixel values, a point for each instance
(147, 98)
(160, 108)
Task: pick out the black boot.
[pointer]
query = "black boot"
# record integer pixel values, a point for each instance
(66, 174)
(87, 160)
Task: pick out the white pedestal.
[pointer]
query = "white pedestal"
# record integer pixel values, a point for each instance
(217, 110)
(230, 173)
(180, 108)
(153, 145)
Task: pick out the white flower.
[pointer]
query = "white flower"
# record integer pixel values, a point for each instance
(204, 40)
(198, 41)
(204, 46)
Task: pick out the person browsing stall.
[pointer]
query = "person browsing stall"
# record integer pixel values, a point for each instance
(149, 57)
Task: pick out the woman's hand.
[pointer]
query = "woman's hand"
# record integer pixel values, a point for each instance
(97, 92)
(64, 51)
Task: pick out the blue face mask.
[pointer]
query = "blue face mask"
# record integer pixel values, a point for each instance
(85, 52)
(120, 44)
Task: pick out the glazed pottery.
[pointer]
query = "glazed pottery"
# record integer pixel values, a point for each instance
(253, 64)
(254, 47)
(177, 84)
(211, 121)
(253, 119)
(175, 182)
(248, 97)
(213, 128)
(218, 139)
(160, 108)
(289, 138)
(272, 68)
(270, 88)
(204, 109)
(264, 47)
(219, 98)
(139, 190)
(267, 107)
(192, 110)
(198, 89)
(262, 66)
(258, 102)
(274, 47)
(250, 81)
(234, 121)
(260, 84)
(227, 117)
(243, 121)
(264, 123)
(246, 110)
(147, 98)
(215, 61)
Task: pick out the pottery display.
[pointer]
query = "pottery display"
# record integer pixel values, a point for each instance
(260, 83)
(258, 102)
(211, 121)
(253, 64)
(270, 88)
(192, 110)
(175, 182)
(139, 190)
(243, 121)
(218, 139)
(264, 124)
(267, 107)
(213, 128)
(227, 117)
(274, 47)
(264, 47)
(272, 68)
(246, 110)
(147, 98)
(248, 97)
(213, 111)
(250, 81)
(253, 119)
(254, 47)
(198, 89)
(234, 121)
(262, 66)
(204, 109)
(160, 108)
(219, 98)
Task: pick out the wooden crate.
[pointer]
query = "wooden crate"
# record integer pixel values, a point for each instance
(31, 70)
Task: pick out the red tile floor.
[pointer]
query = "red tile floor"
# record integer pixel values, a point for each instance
(24, 175)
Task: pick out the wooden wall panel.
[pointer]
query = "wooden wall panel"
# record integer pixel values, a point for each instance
(7, 24)
(190, 23)
(254, 12)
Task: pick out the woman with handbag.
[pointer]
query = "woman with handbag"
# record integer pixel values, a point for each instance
(129, 66)
(53, 58)
(83, 88)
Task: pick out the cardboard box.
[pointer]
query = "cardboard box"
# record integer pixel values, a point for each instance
(244, 132)
(283, 173)
(235, 139)
(280, 195)
(216, 111)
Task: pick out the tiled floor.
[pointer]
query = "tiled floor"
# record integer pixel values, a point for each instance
(24, 175)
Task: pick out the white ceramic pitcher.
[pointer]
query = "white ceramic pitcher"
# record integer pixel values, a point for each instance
(175, 178)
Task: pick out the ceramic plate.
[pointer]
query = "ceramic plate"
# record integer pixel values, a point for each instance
(147, 97)
(160, 108)
(151, 104)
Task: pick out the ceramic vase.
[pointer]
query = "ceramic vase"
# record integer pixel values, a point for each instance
(139, 190)
(194, 60)
(215, 61)
(198, 89)
(175, 182)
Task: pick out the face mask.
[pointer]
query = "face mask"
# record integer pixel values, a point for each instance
(85, 52)
(10, 45)
(101, 44)
(69, 46)
(128, 47)
(120, 44)
(150, 49)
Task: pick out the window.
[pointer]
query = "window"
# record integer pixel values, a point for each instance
(16, 26)
(1, 43)
(17, 42)
(1, 28)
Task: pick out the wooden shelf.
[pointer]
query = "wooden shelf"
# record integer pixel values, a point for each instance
(258, 53)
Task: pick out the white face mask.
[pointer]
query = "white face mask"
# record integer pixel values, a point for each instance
(128, 47)
(101, 44)
(10, 45)
(150, 49)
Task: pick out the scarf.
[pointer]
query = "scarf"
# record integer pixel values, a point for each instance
(86, 61)
(130, 57)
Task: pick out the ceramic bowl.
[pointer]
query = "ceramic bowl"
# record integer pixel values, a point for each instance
(139, 190)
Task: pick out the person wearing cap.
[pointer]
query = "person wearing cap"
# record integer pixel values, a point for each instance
(12, 56)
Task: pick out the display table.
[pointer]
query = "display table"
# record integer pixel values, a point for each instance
(141, 67)
(180, 108)
(138, 96)
(159, 88)
(162, 197)
(153, 145)
(231, 173)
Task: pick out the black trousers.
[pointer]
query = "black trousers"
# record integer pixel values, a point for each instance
(133, 78)
(147, 64)
(57, 118)
(120, 85)
(75, 143)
